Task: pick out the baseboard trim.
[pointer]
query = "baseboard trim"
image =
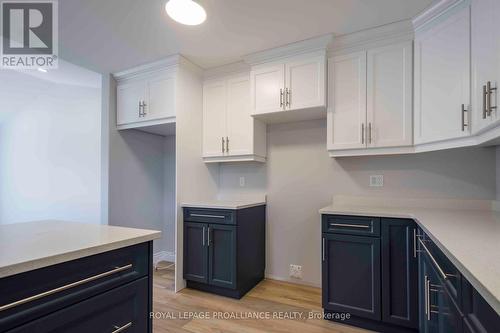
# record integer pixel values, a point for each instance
(163, 256)
(294, 281)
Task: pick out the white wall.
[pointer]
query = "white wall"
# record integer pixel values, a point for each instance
(300, 178)
(50, 145)
(498, 173)
(169, 202)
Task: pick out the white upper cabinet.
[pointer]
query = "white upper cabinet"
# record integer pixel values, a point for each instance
(267, 88)
(442, 77)
(147, 96)
(389, 96)
(130, 97)
(485, 62)
(347, 100)
(305, 83)
(370, 100)
(230, 134)
(214, 118)
(161, 91)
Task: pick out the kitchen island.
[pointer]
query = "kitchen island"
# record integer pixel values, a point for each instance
(64, 276)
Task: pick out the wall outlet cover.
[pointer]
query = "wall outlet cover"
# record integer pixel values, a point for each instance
(296, 271)
(376, 181)
(242, 181)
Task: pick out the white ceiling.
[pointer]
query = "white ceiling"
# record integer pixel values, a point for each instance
(113, 35)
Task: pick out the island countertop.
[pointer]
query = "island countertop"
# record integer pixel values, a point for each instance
(32, 245)
(468, 236)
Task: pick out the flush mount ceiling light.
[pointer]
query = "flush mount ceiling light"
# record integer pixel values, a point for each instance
(186, 12)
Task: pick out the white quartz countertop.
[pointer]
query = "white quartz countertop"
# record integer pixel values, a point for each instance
(470, 238)
(223, 204)
(32, 245)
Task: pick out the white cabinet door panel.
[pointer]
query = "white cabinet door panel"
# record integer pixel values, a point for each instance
(305, 83)
(239, 122)
(128, 97)
(161, 97)
(266, 83)
(442, 79)
(347, 93)
(214, 118)
(389, 96)
(485, 60)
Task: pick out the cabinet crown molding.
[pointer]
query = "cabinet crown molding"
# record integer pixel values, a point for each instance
(171, 62)
(320, 43)
(434, 11)
(392, 32)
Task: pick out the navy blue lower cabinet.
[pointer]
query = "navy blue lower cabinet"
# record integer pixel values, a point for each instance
(399, 273)
(224, 250)
(351, 275)
(98, 293)
(196, 251)
(369, 271)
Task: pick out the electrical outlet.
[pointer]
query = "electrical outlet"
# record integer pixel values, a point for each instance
(376, 181)
(242, 181)
(296, 271)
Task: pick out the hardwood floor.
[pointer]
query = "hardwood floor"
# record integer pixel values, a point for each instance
(275, 306)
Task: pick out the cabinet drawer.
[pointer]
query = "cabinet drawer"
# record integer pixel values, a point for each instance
(123, 309)
(37, 293)
(447, 272)
(351, 225)
(220, 216)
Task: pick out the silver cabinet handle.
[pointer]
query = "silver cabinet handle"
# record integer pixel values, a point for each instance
(206, 215)
(288, 92)
(122, 328)
(203, 236)
(440, 270)
(414, 243)
(143, 108)
(281, 97)
(227, 144)
(369, 133)
(140, 109)
(223, 149)
(323, 250)
(485, 102)
(208, 235)
(489, 92)
(350, 225)
(363, 133)
(65, 287)
(464, 110)
(427, 298)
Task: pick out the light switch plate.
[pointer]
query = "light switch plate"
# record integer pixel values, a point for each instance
(242, 181)
(376, 181)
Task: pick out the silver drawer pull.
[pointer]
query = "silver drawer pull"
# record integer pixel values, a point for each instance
(440, 270)
(65, 287)
(350, 225)
(203, 215)
(121, 329)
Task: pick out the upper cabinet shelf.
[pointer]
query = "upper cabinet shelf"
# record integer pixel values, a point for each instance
(289, 83)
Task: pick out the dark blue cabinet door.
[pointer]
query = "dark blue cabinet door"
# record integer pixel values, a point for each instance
(222, 255)
(351, 275)
(399, 273)
(196, 252)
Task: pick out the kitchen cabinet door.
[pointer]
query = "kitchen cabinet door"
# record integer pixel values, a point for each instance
(399, 273)
(222, 255)
(351, 275)
(214, 118)
(305, 83)
(240, 125)
(485, 61)
(347, 93)
(195, 252)
(429, 321)
(442, 78)
(267, 85)
(129, 96)
(161, 92)
(389, 96)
